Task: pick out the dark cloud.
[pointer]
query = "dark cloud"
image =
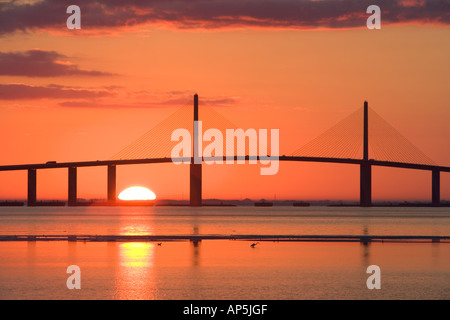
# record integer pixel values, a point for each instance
(107, 97)
(220, 101)
(159, 103)
(40, 63)
(105, 105)
(28, 92)
(216, 14)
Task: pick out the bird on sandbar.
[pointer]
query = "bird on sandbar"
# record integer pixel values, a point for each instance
(254, 244)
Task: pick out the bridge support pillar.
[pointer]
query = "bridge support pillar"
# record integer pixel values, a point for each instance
(31, 198)
(436, 187)
(72, 192)
(365, 197)
(365, 185)
(195, 187)
(111, 183)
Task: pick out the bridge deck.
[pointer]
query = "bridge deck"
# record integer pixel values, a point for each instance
(55, 165)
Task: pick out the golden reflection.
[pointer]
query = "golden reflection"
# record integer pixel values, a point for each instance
(136, 223)
(136, 254)
(135, 278)
(135, 229)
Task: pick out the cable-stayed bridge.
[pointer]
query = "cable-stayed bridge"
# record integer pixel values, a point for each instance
(353, 140)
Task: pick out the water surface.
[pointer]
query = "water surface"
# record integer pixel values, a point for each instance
(224, 269)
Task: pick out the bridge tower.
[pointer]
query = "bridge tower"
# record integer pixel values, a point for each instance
(31, 197)
(72, 182)
(366, 168)
(112, 185)
(196, 168)
(436, 187)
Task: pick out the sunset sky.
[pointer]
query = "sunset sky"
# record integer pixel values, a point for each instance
(299, 66)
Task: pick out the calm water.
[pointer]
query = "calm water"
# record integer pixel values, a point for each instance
(219, 269)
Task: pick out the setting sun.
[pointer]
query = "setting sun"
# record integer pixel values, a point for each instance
(137, 193)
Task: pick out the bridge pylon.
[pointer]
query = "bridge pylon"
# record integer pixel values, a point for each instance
(112, 184)
(196, 168)
(72, 184)
(366, 168)
(31, 196)
(436, 187)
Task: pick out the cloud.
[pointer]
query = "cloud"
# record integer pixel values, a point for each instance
(112, 97)
(219, 101)
(105, 105)
(41, 63)
(160, 102)
(29, 92)
(104, 15)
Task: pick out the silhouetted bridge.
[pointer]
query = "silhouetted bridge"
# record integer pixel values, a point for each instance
(365, 164)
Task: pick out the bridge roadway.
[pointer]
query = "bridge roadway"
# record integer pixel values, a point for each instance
(365, 165)
(195, 179)
(98, 163)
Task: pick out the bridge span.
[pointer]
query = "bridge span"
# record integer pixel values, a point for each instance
(365, 165)
(112, 164)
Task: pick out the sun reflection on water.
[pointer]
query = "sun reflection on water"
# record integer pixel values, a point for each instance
(135, 274)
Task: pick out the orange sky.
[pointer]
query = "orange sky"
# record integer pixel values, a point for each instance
(299, 81)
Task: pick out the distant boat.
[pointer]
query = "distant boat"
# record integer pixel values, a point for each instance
(263, 204)
(301, 204)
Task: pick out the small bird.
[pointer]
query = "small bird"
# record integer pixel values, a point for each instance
(159, 243)
(254, 244)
